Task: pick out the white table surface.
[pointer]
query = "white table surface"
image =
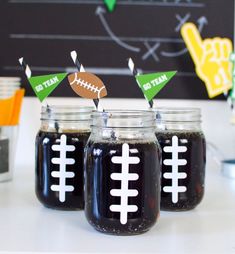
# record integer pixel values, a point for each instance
(25, 225)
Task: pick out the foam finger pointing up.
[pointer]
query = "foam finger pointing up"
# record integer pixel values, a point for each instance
(193, 41)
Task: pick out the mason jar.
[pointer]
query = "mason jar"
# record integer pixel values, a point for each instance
(122, 172)
(183, 146)
(60, 146)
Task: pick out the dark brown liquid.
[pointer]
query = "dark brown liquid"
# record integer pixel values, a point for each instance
(98, 184)
(68, 200)
(195, 157)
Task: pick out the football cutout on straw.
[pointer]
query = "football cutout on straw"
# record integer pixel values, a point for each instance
(87, 85)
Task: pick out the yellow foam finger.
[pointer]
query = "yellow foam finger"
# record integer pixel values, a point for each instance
(218, 47)
(193, 41)
(227, 48)
(209, 52)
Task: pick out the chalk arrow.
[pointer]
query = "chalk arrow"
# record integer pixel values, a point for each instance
(100, 11)
(174, 54)
(202, 21)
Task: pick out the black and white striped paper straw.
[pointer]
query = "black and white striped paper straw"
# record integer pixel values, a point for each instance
(80, 68)
(74, 56)
(26, 68)
(28, 74)
(135, 72)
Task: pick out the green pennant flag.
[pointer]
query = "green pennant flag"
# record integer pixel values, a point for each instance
(44, 85)
(151, 84)
(110, 4)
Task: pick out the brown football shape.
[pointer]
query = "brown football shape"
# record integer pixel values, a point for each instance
(87, 85)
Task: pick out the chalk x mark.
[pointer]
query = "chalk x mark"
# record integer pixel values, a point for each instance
(202, 21)
(151, 51)
(181, 20)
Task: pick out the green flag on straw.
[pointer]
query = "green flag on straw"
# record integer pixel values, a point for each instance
(151, 84)
(43, 86)
(110, 4)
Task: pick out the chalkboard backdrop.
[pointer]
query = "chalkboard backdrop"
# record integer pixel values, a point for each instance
(45, 31)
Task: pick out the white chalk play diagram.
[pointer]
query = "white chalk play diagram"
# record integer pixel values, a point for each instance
(124, 193)
(62, 161)
(175, 175)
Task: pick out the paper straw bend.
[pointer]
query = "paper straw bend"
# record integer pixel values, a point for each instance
(74, 56)
(27, 70)
(131, 66)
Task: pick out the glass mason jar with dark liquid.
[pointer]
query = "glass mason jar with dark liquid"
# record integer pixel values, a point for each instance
(183, 157)
(122, 172)
(60, 146)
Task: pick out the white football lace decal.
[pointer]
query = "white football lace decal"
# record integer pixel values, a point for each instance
(175, 162)
(62, 161)
(87, 85)
(124, 193)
